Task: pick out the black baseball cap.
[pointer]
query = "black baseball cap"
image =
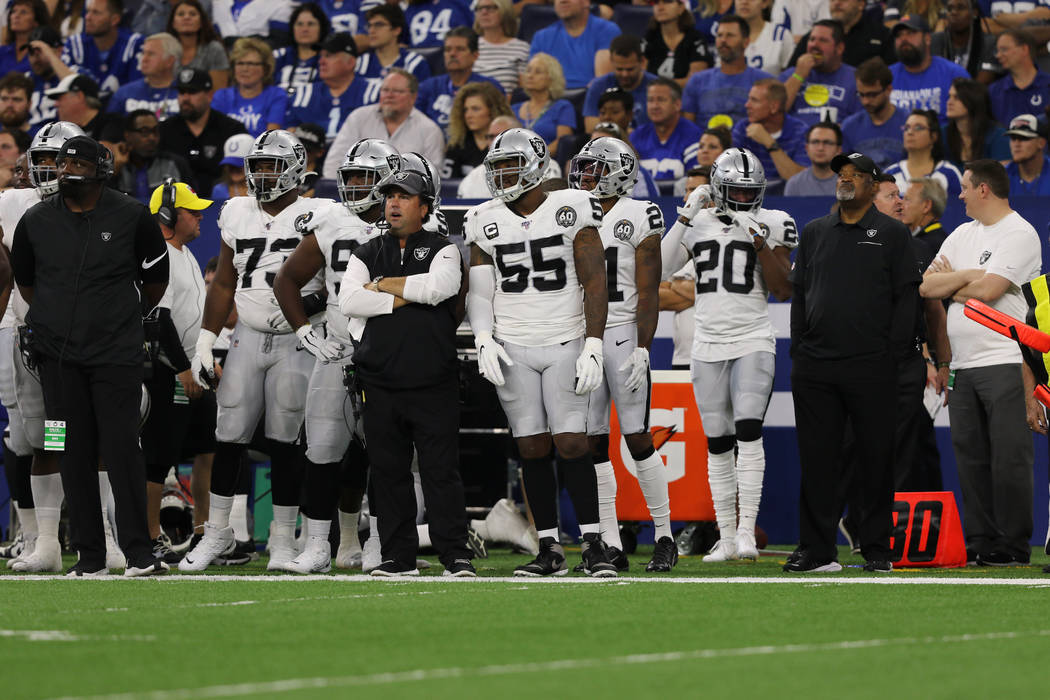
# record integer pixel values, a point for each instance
(75, 82)
(860, 161)
(340, 41)
(311, 135)
(408, 182)
(45, 34)
(915, 22)
(83, 148)
(193, 80)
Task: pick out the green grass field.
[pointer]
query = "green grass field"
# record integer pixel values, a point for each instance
(736, 630)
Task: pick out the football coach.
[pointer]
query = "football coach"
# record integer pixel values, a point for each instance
(852, 320)
(89, 261)
(408, 284)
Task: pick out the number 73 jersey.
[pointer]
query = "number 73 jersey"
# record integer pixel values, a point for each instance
(731, 294)
(538, 296)
(260, 245)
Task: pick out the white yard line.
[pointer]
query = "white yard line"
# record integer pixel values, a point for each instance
(496, 670)
(67, 636)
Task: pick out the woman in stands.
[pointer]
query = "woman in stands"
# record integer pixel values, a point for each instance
(23, 16)
(201, 48)
(925, 154)
(543, 112)
(500, 54)
(972, 133)
(673, 46)
(252, 100)
(297, 63)
(712, 143)
(473, 110)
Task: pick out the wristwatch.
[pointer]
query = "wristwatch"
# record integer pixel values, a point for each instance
(773, 147)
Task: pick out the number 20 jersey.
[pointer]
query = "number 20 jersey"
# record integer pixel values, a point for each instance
(624, 227)
(731, 294)
(338, 232)
(260, 245)
(538, 299)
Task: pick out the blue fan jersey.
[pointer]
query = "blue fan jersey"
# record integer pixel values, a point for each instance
(314, 104)
(110, 69)
(163, 102)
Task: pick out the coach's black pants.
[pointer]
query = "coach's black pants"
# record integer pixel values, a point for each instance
(428, 419)
(826, 394)
(100, 406)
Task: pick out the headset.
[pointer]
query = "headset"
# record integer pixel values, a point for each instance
(166, 213)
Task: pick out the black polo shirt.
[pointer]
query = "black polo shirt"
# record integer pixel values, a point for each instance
(933, 236)
(86, 270)
(855, 289)
(867, 39)
(203, 152)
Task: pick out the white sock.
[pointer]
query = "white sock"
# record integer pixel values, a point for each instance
(652, 478)
(591, 528)
(480, 527)
(219, 508)
(552, 533)
(610, 527)
(27, 516)
(417, 484)
(109, 506)
(348, 536)
(750, 468)
(239, 517)
(47, 497)
(373, 528)
(318, 528)
(423, 533)
(284, 518)
(721, 475)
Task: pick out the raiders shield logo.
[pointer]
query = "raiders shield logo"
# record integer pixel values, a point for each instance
(300, 152)
(394, 162)
(210, 152)
(421, 253)
(566, 216)
(106, 236)
(490, 230)
(302, 220)
(401, 177)
(539, 146)
(623, 230)
(627, 162)
(186, 75)
(984, 257)
(872, 232)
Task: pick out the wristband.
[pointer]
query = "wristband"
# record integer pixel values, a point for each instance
(798, 77)
(943, 365)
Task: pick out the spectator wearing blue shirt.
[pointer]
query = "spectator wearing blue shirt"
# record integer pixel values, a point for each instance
(437, 93)
(823, 143)
(23, 16)
(628, 73)
(876, 130)
(543, 112)
(716, 96)
(1029, 168)
(104, 50)
(666, 145)
(920, 80)
(155, 91)
(821, 88)
(237, 18)
(386, 28)
(924, 154)
(252, 100)
(329, 101)
(345, 15)
(777, 139)
(617, 107)
(46, 70)
(1024, 89)
(429, 21)
(1010, 14)
(579, 40)
(296, 63)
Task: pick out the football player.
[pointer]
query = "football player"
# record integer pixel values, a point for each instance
(263, 370)
(20, 387)
(631, 230)
(741, 253)
(329, 238)
(538, 304)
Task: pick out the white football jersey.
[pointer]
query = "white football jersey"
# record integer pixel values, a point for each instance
(260, 244)
(771, 49)
(538, 299)
(624, 227)
(14, 203)
(339, 232)
(731, 294)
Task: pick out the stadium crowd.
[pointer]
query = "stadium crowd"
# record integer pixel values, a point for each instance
(266, 103)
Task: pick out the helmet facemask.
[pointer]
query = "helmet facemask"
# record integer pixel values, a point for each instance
(268, 177)
(44, 177)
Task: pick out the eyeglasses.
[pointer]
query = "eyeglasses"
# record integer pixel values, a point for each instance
(249, 64)
(817, 142)
(145, 130)
(914, 127)
(870, 95)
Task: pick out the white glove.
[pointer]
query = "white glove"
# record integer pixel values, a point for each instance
(489, 355)
(203, 364)
(278, 322)
(311, 341)
(590, 367)
(333, 350)
(698, 199)
(637, 366)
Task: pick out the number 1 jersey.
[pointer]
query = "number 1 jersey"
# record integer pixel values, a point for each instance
(624, 227)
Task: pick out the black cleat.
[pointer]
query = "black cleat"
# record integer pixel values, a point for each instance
(460, 568)
(665, 556)
(549, 562)
(880, 566)
(617, 558)
(803, 563)
(596, 560)
(162, 550)
(1002, 559)
(476, 543)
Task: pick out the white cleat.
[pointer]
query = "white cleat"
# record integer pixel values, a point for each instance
(724, 550)
(745, 545)
(315, 559)
(216, 541)
(505, 523)
(26, 550)
(282, 552)
(348, 557)
(372, 554)
(46, 556)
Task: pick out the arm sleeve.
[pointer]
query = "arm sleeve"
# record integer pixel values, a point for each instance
(673, 252)
(480, 314)
(355, 300)
(441, 283)
(23, 260)
(150, 251)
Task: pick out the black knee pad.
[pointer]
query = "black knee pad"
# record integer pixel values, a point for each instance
(601, 449)
(721, 444)
(749, 430)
